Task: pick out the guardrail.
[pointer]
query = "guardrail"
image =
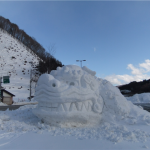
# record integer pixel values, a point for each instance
(13, 107)
(10, 107)
(146, 106)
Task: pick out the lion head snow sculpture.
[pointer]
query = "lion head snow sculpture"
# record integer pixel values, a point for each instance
(69, 95)
(74, 96)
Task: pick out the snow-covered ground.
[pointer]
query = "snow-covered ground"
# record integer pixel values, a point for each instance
(21, 129)
(3, 104)
(139, 98)
(16, 60)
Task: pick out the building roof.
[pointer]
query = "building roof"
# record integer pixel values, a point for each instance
(7, 92)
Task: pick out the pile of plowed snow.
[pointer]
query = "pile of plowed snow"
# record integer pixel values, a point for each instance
(139, 98)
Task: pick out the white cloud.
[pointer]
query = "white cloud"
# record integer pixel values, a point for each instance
(137, 74)
(135, 71)
(146, 65)
(113, 79)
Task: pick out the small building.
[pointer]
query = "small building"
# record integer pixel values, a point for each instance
(7, 97)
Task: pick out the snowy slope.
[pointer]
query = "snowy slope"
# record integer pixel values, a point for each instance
(16, 60)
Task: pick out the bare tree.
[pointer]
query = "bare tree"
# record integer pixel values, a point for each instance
(51, 49)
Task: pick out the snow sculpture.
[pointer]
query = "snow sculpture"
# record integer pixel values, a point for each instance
(74, 96)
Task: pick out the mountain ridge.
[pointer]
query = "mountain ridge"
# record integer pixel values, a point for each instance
(135, 88)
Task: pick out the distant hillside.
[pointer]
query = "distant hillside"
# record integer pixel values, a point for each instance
(21, 35)
(135, 88)
(49, 62)
(16, 60)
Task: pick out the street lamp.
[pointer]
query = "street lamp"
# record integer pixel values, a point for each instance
(80, 61)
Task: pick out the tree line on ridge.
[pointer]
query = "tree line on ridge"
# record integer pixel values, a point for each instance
(47, 62)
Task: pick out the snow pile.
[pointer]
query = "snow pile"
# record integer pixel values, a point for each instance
(60, 93)
(139, 98)
(23, 121)
(16, 100)
(25, 103)
(125, 91)
(3, 104)
(16, 61)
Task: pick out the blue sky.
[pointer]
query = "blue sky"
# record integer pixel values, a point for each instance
(112, 36)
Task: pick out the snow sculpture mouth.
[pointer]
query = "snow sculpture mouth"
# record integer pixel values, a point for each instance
(69, 96)
(65, 107)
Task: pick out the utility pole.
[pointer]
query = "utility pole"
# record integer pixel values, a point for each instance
(80, 62)
(0, 89)
(30, 82)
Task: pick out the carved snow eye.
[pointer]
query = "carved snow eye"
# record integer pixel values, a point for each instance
(74, 72)
(72, 83)
(53, 84)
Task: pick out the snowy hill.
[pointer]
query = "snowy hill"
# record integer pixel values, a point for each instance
(16, 60)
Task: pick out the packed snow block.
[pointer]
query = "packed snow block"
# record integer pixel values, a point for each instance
(74, 96)
(93, 73)
(114, 101)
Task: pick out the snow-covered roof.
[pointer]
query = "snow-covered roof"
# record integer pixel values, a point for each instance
(7, 92)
